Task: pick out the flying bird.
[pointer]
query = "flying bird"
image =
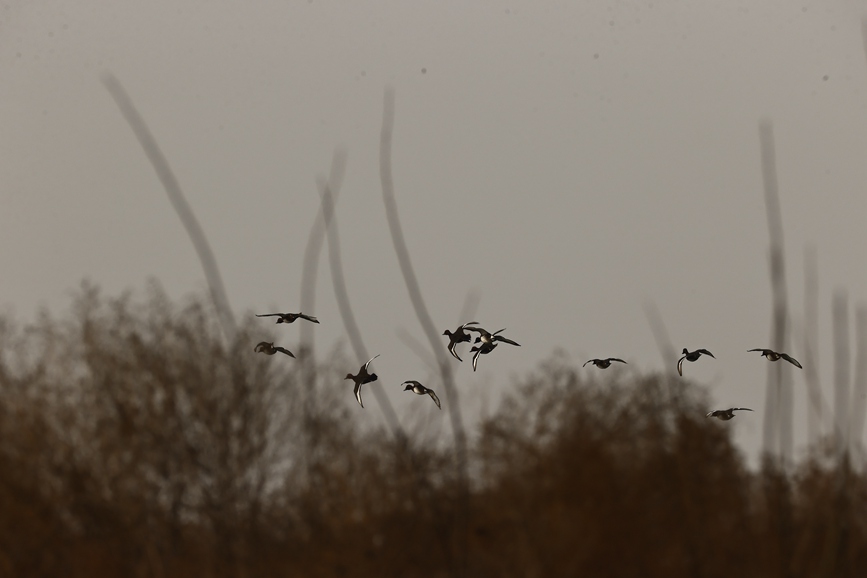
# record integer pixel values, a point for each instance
(459, 336)
(416, 387)
(774, 356)
(691, 356)
(726, 414)
(482, 349)
(603, 363)
(362, 378)
(487, 338)
(289, 317)
(268, 348)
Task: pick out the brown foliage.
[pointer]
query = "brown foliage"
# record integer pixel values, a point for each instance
(137, 442)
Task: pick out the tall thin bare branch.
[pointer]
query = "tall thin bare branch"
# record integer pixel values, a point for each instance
(346, 314)
(179, 202)
(859, 390)
(314, 248)
(811, 345)
(842, 364)
(414, 290)
(778, 398)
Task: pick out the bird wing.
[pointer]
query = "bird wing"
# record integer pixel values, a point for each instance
(593, 361)
(680, 366)
(616, 359)
(464, 326)
(270, 315)
(764, 351)
(284, 350)
(358, 393)
(740, 409)
(431, 393)
(369, 360)
(476, 329)
(308, 317)
(706, 352)
(711, 413)
(791, 360)
(476, 357)
(504, 340)
(260, 346)
(452, 345)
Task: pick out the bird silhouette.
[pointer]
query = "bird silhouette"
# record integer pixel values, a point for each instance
(363, 377)
(691, 356)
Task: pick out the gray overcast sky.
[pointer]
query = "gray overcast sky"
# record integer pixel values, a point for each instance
(567, 160)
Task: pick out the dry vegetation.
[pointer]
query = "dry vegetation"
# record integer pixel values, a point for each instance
(135, 443)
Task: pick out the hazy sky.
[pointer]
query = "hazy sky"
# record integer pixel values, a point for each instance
(569, 161)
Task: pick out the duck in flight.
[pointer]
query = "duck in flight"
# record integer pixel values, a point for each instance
(482, 349)
(268, 348)
(726, 414)
(459, 336)
(487, 338)
(363, 377)
(417, 388)
(691, 356)
(289, 317)
(774, 356)
(603, 363)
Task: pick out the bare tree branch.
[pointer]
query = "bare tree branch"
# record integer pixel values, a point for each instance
(342, 296)
(314, 247)
(179, 202)
(778, 398)
(414, 290)
(842, 355)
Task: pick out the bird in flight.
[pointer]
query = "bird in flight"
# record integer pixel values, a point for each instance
(363, 377)
(603, 363)
(726, 414)
(268, 348)
(774, 356)
(416, 387)
(691, 356)
(482, 349)
(289, 317)
(487, 338)
(459, 336)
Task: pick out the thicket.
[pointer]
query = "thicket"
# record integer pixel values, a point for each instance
(135, 442)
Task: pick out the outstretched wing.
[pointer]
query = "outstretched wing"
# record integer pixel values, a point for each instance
(369, 360)
(505, 340)
(593, 361)
(308, 317)
(791, 360)
(740, 409)
(465, 325)
(431, 393)
(680, 366)
(284, 350)
(706, 352)
(358, 393)
(764, 351)
(476, 357)
(452, 345)
(616, 359)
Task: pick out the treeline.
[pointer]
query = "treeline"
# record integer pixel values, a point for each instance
(135, 442)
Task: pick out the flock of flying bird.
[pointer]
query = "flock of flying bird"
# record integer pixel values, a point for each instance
(484, 343)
